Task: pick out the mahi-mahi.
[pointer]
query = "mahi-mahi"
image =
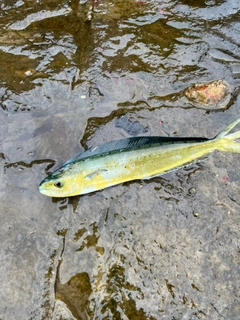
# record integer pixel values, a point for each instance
(130, 159)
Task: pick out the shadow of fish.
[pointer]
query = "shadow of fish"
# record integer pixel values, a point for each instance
(130, 159)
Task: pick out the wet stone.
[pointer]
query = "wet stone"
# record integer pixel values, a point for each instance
(133, 128)
(75, 74)
(212, 95)
(75, 294)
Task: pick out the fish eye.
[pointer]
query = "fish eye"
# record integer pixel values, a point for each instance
(58, 184)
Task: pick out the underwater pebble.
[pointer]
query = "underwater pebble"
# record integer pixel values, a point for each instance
(133, 128)
(192, 190)
(28, 73)
(212, 95)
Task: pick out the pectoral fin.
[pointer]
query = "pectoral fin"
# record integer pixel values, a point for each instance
(94, 173)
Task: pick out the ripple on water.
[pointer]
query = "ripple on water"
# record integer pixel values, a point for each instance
(77, 74)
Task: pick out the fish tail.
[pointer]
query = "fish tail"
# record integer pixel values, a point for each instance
(227, 142)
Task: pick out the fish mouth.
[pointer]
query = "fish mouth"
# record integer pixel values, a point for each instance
(44, 191)
(50, 192)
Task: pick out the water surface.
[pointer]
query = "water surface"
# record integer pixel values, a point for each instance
(74, 75)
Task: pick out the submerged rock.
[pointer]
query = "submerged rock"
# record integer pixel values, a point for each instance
(133, 128)
(212, 95)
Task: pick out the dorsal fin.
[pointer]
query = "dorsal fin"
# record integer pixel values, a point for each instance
(131, 143)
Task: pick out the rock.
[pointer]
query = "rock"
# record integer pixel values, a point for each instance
(212, 95)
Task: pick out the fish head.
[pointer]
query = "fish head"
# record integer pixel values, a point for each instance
(62, 183)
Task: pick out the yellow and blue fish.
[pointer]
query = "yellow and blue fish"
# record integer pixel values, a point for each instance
(130, 159)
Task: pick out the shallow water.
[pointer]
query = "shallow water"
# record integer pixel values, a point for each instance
(74, 76)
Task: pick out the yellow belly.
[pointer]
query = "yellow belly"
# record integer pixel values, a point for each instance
(140, 164)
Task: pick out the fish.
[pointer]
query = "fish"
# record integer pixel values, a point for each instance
(132, 158)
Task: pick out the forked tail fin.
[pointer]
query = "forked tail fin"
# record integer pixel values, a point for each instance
(227, 142)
